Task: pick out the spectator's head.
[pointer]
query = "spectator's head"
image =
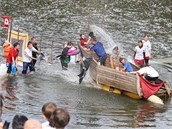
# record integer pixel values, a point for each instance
(32, 124)
(16, 45)
(69, 44)
(48, 109)
(33, 40)
(122, 60)
(146, 37)
(93, 40)
(140, 43)
(29, 45)
(18, 121)
(60, 118)
(82, 36)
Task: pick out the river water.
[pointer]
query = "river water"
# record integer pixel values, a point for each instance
(125, 21)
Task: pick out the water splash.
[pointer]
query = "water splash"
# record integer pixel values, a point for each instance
(104, 37)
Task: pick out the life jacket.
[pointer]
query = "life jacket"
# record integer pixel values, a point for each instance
(7, 48)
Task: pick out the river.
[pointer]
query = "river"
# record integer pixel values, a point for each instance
(125, 21)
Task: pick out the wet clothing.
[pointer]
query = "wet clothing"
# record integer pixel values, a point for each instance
(27, 61)
(128, 67)
(34, 54)
(139, 56)
(100, 52)
(9, 67)
(27, 65)
(13, 53)
(151, 73)
(65, 59)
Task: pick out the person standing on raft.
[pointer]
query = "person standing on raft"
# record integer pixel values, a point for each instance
(147, 48)
(127, 66)
(84, 41)
(139, 54)
(99, 49)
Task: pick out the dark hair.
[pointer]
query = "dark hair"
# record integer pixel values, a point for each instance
(18, 121)
(29, 43)
(120, 59)
(48, 109)
(16, 44)
(33, 38)
(116, 48)
(140, 41)
(146, 35)
(69, 43)
(81, 35)
(91, 34)
(60, 118)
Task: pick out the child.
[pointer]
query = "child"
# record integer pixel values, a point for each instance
(64, 57)
(59, 119)
(47, 111)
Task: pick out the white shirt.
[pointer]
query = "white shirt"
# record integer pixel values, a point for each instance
(150, 71)
(46, 125)
(28, 54)
(147, 47)
(139, 53)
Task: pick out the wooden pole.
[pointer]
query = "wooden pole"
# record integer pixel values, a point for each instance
(41, 41)
(89, 20)
(18, 35)
(11, 26)
(52, 45)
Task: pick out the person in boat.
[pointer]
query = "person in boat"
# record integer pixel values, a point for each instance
(149, 73)
(84, 41)
(127, 66)
(6, 47)
(11, 60)
(99, 49)
(64, 57)
(27, 59)
(34, 54)
(139, 54)
(114, 58)
(147, 48)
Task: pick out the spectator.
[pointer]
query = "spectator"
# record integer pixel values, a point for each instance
(47, 111)
(32, 124)
(18, 121)
(59, 119)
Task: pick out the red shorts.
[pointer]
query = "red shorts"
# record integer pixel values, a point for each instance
(139, 62)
